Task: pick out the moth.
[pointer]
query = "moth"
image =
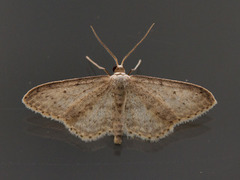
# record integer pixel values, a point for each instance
(120, 104)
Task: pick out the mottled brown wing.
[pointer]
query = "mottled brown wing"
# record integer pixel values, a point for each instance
(77, 103)
(155, 106)
(92, 116)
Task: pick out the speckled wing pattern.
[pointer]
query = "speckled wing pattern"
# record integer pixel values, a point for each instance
(154, 106)
(140, 106)
(83, 105)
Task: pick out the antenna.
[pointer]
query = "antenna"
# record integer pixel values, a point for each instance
(137, 44)
(108, 50)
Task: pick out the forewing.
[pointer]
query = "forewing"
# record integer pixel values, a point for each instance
(54, 98)
(186, 100)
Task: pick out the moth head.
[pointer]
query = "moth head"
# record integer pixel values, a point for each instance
(118, 68)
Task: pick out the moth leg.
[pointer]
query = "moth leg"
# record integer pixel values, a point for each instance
(134, 69)
(99, 67)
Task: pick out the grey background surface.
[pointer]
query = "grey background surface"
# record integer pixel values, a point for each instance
(42, 41)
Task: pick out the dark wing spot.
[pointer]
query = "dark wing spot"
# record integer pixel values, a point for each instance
(120, 87)
(148, 106)
(80, 112)
(119, 105)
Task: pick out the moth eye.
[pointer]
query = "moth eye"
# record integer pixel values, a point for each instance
(114, 68)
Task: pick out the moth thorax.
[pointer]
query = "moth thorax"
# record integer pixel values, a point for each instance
(120, 80)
